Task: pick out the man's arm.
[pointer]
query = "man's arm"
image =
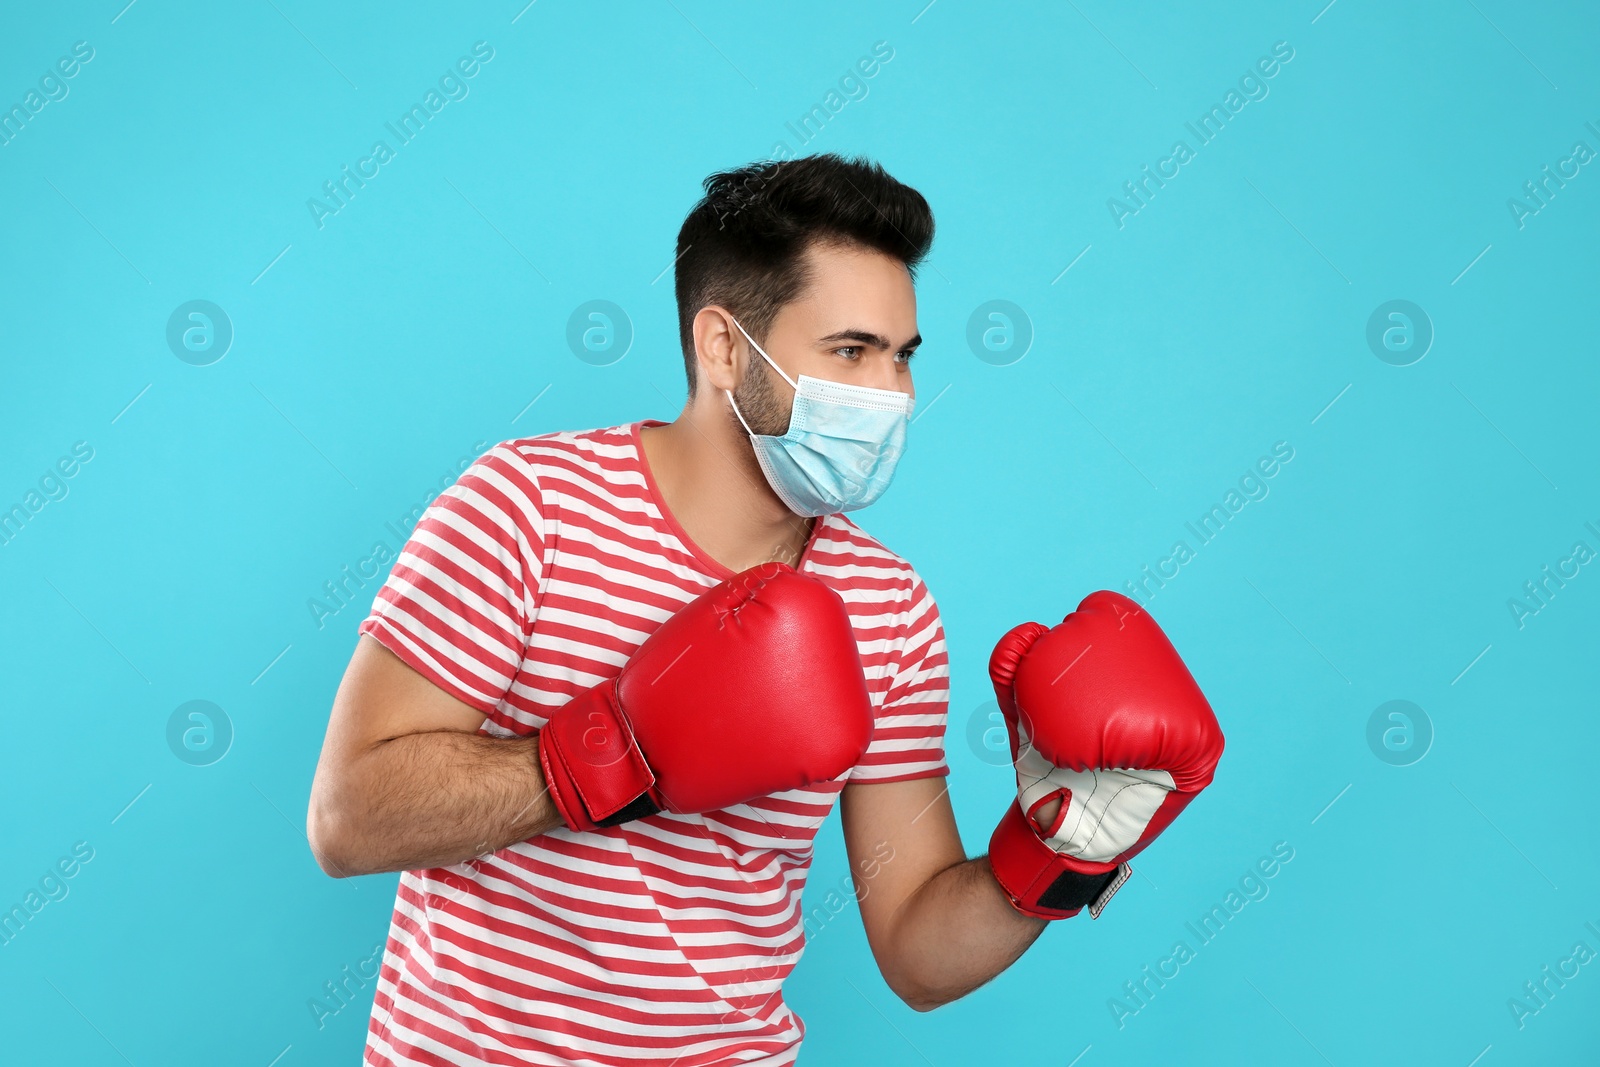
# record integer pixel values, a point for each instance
(406, 782)
(938, 923)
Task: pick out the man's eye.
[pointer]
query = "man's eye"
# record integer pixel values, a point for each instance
(905, 357)
(851, 351)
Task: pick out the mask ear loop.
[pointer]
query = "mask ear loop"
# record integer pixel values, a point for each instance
(775, 367)
(737, 414)
(792, 384)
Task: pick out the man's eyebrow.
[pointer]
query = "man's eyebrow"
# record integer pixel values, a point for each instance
(867, 337)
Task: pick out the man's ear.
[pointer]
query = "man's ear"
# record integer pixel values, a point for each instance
(719, 357)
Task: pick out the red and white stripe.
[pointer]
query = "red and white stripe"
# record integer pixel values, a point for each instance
(665, 940)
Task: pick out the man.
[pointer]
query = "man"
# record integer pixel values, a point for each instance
(535, 924)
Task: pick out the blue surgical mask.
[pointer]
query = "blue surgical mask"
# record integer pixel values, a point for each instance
(842, 445)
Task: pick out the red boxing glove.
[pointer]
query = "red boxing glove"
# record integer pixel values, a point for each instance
(1105, 718)
(754, 687)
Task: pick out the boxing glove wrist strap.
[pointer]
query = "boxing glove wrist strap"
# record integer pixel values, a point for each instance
(1044, 883)
(592, 764)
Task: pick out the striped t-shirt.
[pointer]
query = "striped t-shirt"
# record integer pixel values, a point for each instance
(664, 940)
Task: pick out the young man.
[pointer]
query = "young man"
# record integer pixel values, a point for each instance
(533, 926)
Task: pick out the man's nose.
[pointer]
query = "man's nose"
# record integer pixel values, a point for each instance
(892, 380)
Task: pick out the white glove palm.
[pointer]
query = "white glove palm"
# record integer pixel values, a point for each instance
(1103, 811)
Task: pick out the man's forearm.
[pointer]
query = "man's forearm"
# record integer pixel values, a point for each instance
(429, 800)
(956, 933)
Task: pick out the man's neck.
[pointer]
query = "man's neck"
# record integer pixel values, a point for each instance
(712, 485)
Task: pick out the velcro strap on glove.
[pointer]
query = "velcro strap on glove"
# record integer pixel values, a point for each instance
(1044, 883)
(592, 765)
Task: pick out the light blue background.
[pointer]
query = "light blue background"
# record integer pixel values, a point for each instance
(1229, 314)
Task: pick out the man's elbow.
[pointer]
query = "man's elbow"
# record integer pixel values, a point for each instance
(924, 1005)
(922, 998)
(329, 835)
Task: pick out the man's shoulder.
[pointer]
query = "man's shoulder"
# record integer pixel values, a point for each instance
(592, 454)
(601, 440)
(851, 558)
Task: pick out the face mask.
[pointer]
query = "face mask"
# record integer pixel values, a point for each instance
(842, 445)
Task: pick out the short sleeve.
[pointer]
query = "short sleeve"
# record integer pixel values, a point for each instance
(908, 738)
(459, 603)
